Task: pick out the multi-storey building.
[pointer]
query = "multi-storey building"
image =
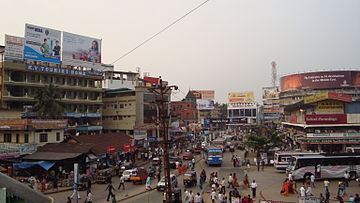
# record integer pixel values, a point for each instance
(185, 110)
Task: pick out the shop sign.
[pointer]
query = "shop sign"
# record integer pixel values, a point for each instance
(326, 119)
(330, 105)
(241, 105)
(47, 124)
(315, 98)
(61, 70)
(327, 95)
(329, 141)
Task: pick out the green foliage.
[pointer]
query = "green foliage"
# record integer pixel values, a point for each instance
(48, 103)
(262, 143)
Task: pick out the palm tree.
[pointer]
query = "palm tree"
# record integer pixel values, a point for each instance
(48, 102)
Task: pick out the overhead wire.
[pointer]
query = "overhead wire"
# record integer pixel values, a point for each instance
(161, 31)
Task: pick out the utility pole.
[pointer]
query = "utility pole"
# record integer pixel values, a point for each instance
(162, 99)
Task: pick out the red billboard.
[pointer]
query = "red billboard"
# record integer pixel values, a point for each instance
(326, 119)
(320, 80)
(150, 81)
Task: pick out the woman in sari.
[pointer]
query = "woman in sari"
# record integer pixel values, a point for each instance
(235, 181)
(246, 181)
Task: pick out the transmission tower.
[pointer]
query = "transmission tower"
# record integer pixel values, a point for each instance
(274, 73)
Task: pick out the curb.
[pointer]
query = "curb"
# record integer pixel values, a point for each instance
(134, 195)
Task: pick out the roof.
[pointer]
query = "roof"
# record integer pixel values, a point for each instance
(66, 147)
(55, 156)
(101, 142)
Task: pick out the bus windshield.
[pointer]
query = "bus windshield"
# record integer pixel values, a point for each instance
(215, 153)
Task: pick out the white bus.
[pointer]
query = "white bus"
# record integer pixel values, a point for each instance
(281, 159)
(324, 166)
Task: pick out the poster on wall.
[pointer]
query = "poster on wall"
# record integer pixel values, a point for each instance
(81, 51)
(42, 44)
(14, 48)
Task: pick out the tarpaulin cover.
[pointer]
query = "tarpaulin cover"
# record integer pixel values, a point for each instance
(44, 164)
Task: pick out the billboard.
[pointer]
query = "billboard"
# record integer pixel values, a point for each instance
(204, 94)
(319, 80)
(42, 44)
(330, 106)
(242, 105)
(205, 104)
(327, 95)
(81, 51)
(14, 48)
(239, 97)
(150, 81)
(271, 93)
(326, 119)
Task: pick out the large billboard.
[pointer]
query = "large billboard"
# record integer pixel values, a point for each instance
(81, 51)
(204, 94)
(320, 80)
(42, 44)
(205, 104)
(240, 97)
(271, 93)
(14, 48)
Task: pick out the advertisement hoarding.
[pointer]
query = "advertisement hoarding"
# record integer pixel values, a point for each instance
(240, 97)
(243, 105)
(204, 94)
(14, 48)
(327, 95)
(330, 106)
(47, 123)
(42, 44)
(271, 93)
(81, 51)
(326, 119)
(205, 104)
(150, 81)
(318, 80)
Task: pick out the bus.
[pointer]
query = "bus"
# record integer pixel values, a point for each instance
(281, 159)
(213, 156)
(324, 166)
(219, 142)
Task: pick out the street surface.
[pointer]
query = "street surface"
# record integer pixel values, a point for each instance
(269, 184)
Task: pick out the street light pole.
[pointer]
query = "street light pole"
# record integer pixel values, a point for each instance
(161, 91)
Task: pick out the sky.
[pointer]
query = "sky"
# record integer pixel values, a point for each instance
(226, 45)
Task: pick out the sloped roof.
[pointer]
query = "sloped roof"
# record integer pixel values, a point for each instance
(66, 147)
(51, 156)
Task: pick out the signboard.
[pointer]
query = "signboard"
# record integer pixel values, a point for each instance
(271, 92)
(330, 105)
(47, 124)
(329, 140)
(150, 81)
(333, 135)
(205, 104)
(140, 134)
(81, 51)
(204, 94)
(42, 44)
(14, 48)
(242, 105)
(13, 124)
(61, 71)
(317, 80)
(326, 119)
(110, 149)
(240, 97)
(327, 95)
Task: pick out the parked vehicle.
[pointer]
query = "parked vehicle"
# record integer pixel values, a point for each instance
(104, 176)
(161, 184)
(127, 174)
(190, 179)
(188, 156)
(140, 176)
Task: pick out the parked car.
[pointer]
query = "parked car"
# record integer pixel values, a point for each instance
(173, 160)
(161, 184)
(188, 156)
(127, 173)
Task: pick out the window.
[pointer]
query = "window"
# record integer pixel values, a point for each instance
(43, 137)
(17, 138)
(7, 137)
(26, 138)
(121, 105)
(57, 136)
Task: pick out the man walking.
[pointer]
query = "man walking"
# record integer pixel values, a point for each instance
(122, 182)
(110, 189)
(253, 187)
(230, 180)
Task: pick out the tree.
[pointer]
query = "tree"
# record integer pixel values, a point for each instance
(262, 143)
(48, 102)
(223, 111)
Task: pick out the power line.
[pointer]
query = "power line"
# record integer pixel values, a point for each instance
(161, 31)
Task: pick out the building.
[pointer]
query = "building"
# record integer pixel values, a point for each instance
(322, 109)
(185, 110)
(242, 108)
(271, 106)
(23, 136)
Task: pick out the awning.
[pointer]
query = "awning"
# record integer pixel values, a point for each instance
(53, 156)
(44, 164)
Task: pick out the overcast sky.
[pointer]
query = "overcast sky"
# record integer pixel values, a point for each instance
(226, 45)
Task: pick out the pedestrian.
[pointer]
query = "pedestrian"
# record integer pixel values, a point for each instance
(148, 183)
(198, 198)
(235, 181)
(312, 180)
(75, 191)
(346, 178)
(122, 182)
(89, 197)
(213, 196)
(230, 181)
(68, 200)
(223, 185)
(322, 198)
(341, 189)
(113, 199)
(246, 181)
(159, 176)
(253, 188)
(326, 185)
(43, 185)
(187, 196)
(357, 198)
(193, 163)
(351, 199)
(262, 163)
(110, 189)
(191, 196)
(88, 185)
(309, 191)
(302, 194)
(220, 198)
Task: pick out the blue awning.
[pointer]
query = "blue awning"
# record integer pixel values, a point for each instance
(44, 164)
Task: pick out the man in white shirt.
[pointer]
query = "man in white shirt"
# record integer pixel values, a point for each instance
(253, 187)
(220, 197)
(312, 180)
(302, 194)
(230, 180)
(213, 196)
(187, 196)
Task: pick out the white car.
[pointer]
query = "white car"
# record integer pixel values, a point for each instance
(161, 183)
(127, 173)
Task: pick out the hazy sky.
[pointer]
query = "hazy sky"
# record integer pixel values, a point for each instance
(227, 45)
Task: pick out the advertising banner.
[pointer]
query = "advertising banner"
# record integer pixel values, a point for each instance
(47, 124)
(271, 93)
(205, 104)
(14, 48)
(330, 106)
(240, 97)
(150, 81)
(326, 119)
(327, 95)
(243, 105)
(329, 79)
(81, 51)
(42, 44)
(204, 94)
